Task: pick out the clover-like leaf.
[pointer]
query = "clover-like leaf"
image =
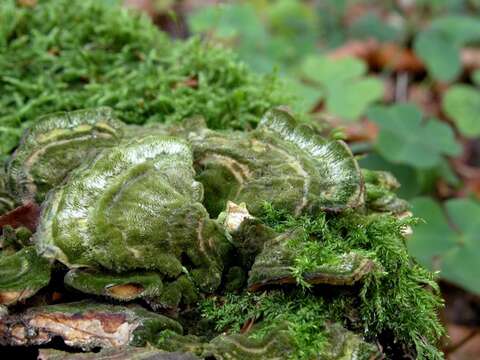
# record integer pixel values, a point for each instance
(441, 56)
(462, 105)
(450, 239)
(460, 29)
(305, 96)
(439, 45)
(372, 26)
(347, 92)
(404, 138)
(328, 71)
(349, 100)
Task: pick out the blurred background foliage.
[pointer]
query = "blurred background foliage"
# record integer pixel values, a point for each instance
(401, 78)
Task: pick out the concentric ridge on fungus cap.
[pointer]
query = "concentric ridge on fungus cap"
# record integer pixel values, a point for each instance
(282, 163)
(56, 144)
(341, 181)
(136, 206)
(22, 274)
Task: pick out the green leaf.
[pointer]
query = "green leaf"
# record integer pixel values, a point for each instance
(440, 54)
(228, 21)
(459, 29)
(305, 96)
(476, 77)
(462, 104)
(350, 100)
(372, 26)
(348, 93)
(237, 24)
(279, 37)
(328, 71)
(439, 45)
(453, 249)
(404, 138)
(446, 173)
(293, 22)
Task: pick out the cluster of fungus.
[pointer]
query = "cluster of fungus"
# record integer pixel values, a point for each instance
(154, 229)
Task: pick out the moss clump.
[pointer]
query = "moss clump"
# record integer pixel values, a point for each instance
(65, 55)
(231, 312)
(395, 304)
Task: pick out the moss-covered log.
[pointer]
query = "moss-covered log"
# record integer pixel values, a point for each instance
(84, 325)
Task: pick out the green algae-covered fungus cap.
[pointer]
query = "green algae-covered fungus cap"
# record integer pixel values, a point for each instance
(282, 163)
(54, 145)
(22, 274)
(136, 206)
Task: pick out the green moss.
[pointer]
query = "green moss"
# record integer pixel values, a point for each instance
(118, 353)
(400, 297)
(232, 311)
(14, 239)
(308, 319)
(235, 279)
(65, 55)
(291, 258)
(180, 290)
(278, 343)
(395, 303)
(171, 341)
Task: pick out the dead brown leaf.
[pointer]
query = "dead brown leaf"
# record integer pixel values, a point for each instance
(380, 55)
(26, 215)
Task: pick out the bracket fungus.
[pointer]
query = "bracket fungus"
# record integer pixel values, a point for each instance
(173, 216)
(54, 145)
(84, 325)
(280, 162)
